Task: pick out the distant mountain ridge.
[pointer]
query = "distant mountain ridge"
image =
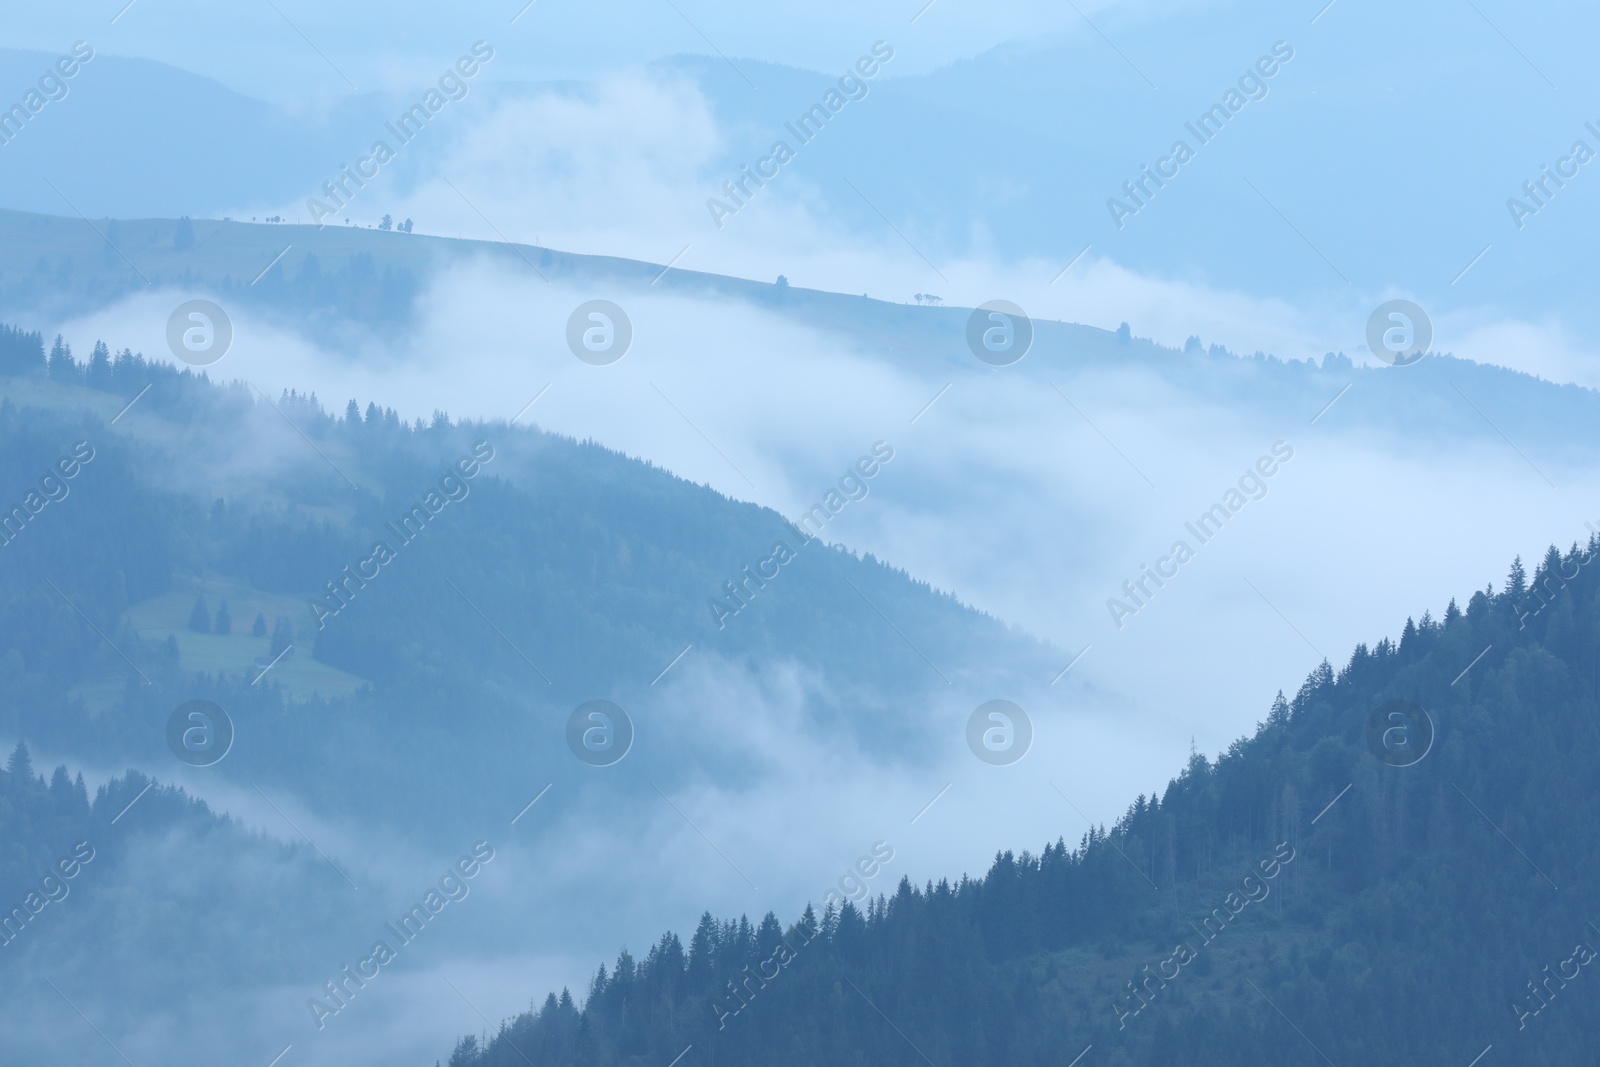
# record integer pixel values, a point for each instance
(340, 282)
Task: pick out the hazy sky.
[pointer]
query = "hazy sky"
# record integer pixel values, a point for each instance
(290, 49)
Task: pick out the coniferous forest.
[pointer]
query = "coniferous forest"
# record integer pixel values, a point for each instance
(1343, 886)
(1299, 900)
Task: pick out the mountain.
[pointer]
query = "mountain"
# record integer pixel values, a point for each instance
(1016, 151)
(1393, 868)
(345, 285)
(520, 575)
(425, 701)
(86, 883)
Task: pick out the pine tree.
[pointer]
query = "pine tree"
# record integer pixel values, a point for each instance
(1517, 580)
(61, 366)
(20, 763)
(702, 951)
(224, 621)
(259, 627)
(200, 617)
(1547, 578)
(99, 374)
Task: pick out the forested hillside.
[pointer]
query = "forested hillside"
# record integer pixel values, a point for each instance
(556, 572)
(105, 894)
(1343, 887)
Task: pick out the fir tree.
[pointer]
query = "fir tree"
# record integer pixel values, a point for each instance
(20, 763)
(99, 372)
(61, 366)
(1517, 580)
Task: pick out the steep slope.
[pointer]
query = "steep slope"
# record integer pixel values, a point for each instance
(1397, 867)
(134, 899)
(520, 575)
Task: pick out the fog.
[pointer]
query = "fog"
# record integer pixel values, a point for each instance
(1032, 492)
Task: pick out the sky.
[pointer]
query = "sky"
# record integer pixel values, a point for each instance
(291, 50)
